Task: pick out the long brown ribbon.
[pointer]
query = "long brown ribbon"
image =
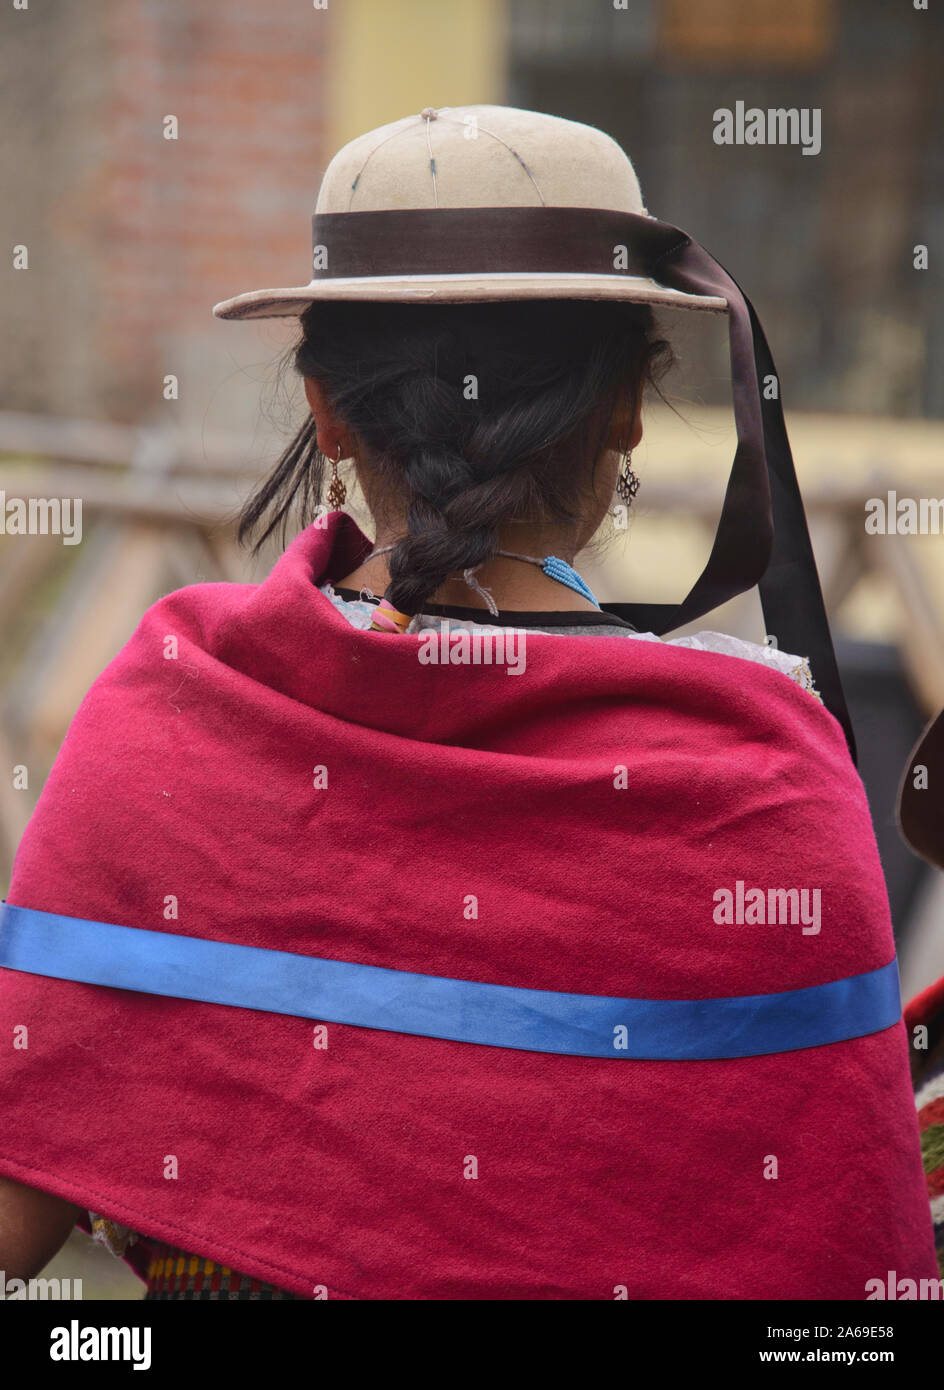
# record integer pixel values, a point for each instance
(762, 536)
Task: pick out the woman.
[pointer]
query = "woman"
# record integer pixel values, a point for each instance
(921, 824)
(371, 941)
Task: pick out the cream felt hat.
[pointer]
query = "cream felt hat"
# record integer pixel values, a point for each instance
(471, 157)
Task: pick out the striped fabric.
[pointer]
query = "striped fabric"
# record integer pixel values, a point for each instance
(929, 1098)
(175, 1274)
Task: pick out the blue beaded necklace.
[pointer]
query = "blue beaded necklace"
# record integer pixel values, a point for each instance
(552, 565)
(557, 569)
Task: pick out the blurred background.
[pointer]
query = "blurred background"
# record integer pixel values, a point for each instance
(119, 387)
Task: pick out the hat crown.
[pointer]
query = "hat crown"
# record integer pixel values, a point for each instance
(480, 156)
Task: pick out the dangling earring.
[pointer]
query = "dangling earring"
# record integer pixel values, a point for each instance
(627, 484)
(337, 492)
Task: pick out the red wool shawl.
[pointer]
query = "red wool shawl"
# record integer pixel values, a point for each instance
(565, 830)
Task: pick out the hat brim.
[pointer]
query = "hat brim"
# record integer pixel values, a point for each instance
(461, 289)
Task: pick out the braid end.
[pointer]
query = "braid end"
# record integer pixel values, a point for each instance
(388, 619)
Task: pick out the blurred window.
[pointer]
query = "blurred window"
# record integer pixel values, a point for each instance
(747, 31)
(547, 29)
(700, 31)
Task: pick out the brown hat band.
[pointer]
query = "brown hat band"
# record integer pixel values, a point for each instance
(475, 241)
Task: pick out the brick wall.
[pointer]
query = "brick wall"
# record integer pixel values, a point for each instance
(133, 237)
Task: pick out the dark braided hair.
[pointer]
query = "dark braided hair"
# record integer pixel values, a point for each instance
(469, 415)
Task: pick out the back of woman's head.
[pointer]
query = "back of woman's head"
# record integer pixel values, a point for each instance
(465, 418)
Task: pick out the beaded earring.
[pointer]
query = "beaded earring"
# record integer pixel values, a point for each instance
(337, 492)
